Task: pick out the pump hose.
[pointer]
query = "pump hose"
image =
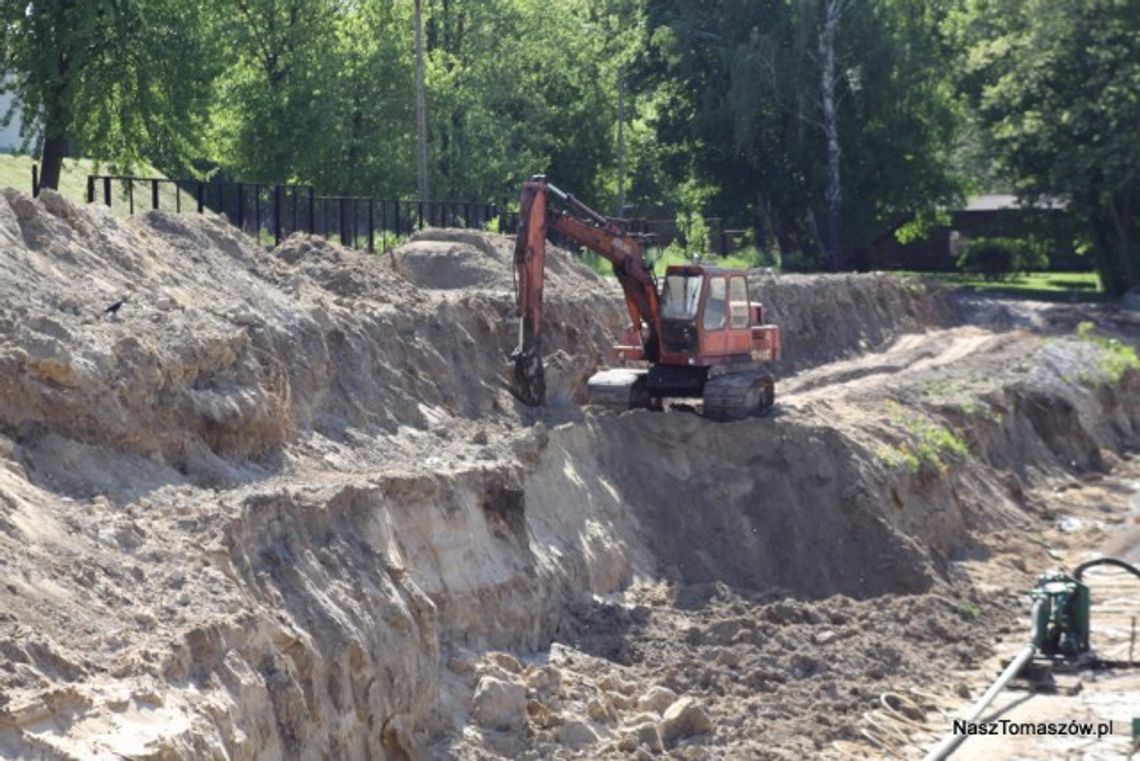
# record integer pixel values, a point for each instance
(1105, 561)
(951, 742)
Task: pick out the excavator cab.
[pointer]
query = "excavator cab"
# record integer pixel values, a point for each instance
(707, 319)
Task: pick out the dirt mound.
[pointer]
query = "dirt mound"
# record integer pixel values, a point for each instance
(281, 503)
(453, 259)
(826, 318)
(222, 352)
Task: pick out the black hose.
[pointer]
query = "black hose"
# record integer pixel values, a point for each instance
(1105, 561)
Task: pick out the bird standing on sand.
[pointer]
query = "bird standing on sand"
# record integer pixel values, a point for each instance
(112, 311)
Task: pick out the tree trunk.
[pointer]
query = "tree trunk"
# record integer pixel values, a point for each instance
(421, 107)
(620, 143)
(828, 85)
(1120, 208)
(51, 161)
(1106, 264)
(55, 126)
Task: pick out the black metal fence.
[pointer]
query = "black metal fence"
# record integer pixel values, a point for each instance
(273, 212)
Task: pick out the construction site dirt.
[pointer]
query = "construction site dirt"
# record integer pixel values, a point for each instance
(282, 504)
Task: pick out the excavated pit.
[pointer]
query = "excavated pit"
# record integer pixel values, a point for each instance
(282, 505)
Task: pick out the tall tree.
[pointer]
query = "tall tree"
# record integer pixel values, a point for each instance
(114, 80)
(829, 93)
(775, 102)
(421, 108)
(545, 102)
(1056, 88)
(276, 96)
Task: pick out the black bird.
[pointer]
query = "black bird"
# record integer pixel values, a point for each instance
(113, 310)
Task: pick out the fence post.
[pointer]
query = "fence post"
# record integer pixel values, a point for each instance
(107, 191)
(240, 206)
(421, 215)
(371, 226)
(154, 194)
(296, 221)
(312, 210)
(90, 188)
(383, 225)
(355, 219)
(277, 196)
(35, 180)
(257, 213)
(343, 210)
(131, 195)
(201, 197)
(396, 207)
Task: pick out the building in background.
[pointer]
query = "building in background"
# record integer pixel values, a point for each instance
(10, 140)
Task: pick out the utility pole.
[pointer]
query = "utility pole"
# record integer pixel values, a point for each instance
(421, 107)
(621, 144)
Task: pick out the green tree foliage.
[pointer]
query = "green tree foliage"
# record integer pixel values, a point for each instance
(519, 87)
(320, 91)
(1056, 87)
(737, 92)
(274, 109)
(113, 79)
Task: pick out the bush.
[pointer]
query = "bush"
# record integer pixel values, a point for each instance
(797, 261)
(998, 258)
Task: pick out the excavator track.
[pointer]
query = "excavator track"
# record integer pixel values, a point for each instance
(617, 389)
(736, 396)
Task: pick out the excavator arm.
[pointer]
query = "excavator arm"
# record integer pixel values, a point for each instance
(545, 208)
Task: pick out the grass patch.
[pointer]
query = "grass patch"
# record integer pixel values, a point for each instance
(732, 261)
(926, 444)
(670, 256)
(968, 611)
(1116, 358)
(16, 172)
(1041, 286)
(957, 393)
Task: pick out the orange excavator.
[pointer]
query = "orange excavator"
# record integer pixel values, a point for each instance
(696, 335)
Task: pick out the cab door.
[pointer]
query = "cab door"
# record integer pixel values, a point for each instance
(714, 316)
(738, 335)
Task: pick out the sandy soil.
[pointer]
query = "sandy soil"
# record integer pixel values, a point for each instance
(281, 505)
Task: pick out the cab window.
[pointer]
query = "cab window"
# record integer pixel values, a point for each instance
(715, 306)
(738, 302)
(679, 296)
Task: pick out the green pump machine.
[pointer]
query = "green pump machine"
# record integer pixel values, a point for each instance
(1061, 623)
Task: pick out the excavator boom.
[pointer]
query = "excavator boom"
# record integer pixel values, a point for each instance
(576, 221)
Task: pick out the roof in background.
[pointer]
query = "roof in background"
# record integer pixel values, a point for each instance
(1005, 201)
